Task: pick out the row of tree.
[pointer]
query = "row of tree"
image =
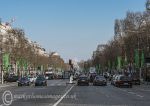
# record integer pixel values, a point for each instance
(130, 44)
(17, 50)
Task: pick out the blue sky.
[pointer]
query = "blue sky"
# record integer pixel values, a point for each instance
(73, 28)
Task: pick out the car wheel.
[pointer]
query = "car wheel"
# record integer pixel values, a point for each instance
(117, 85)
(130, 86)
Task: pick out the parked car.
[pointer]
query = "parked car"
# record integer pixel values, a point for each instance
(100, 80)
(135, 80)
(41, 81)
(83, 80)
(32, 79)
(106, 75)
(24, 81)
(11, 78)
(122, 80)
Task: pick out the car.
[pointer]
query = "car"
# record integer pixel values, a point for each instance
(41, 81)
(49, 75)
(113, 79)
(24, 81)
(100, 80)
(106, 75)
(32, 79)
(122, 80)
(92, 76)
(83, 80)
(11, 78)
(135, 80)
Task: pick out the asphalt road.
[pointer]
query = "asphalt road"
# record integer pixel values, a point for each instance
(58, 93)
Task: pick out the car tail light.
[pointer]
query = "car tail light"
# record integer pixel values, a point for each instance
(119, 81)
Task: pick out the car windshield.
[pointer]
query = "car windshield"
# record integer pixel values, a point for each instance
(83, 78)
(99, 78)
(24, 79)
(40, 78)
(124, 78)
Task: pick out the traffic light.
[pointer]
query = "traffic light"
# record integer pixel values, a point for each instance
(70, 62)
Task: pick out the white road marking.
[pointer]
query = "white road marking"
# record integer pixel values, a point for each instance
(130, 92)
(139, 95)
(59, 84)
(63, 96)
(144, 90)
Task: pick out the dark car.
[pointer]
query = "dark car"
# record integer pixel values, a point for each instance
(100, 80)
(41, 81)
(135, 80)
(24, 81)
(49, 76)
(11, 78)
(122, 80)
(83, 80)
(92, 76)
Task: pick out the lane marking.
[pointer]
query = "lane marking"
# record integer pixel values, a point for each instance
(63, 96)
(59, 84)
(139, 95)
(130, 92)
(144, 90)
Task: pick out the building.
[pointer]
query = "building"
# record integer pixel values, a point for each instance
(6, 45)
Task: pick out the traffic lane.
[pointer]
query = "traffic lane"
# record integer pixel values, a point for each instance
(138, 90)
(103, 95)
(38, 96)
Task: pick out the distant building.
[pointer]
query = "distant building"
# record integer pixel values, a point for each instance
(4, 27)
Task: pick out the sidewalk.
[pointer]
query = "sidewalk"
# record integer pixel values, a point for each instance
(8, 84)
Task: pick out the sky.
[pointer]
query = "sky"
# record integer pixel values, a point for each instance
(73, 28)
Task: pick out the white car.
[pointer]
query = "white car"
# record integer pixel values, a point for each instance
(32, 79)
